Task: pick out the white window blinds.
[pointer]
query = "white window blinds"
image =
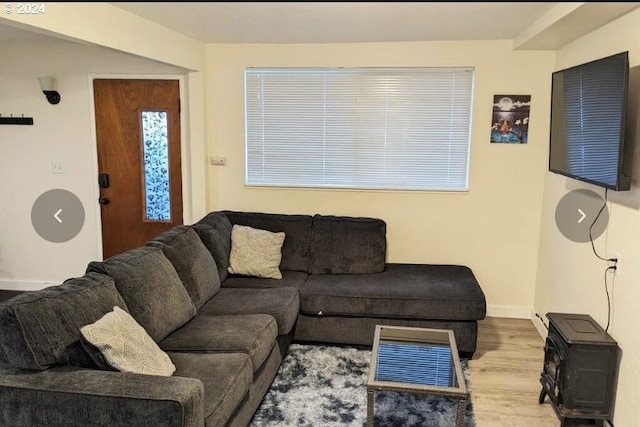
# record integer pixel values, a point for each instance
(405, 128)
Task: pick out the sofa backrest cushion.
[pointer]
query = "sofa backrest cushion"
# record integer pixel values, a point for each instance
(41, 329)
(192, 260)
(215, 232)
(296, 250)
(151, 287)
(348, 245)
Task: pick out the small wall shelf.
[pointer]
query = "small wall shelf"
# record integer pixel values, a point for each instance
(16, 120)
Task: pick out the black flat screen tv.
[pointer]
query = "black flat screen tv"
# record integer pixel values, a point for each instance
(588, 117)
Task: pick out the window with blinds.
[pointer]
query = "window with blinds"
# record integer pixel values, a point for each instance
(366, 128)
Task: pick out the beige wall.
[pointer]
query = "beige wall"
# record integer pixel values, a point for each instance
(497, 228)
(570, 277)
(110, 42)
(60, 133)
(494, 228)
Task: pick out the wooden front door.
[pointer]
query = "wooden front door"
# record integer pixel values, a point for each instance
(138, 141)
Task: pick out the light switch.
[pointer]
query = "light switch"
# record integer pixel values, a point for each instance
(218, 161)
(57, 167)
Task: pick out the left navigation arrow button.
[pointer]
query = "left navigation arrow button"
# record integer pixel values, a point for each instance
(57, 215)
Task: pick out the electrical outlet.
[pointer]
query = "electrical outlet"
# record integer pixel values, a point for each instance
(617, 264)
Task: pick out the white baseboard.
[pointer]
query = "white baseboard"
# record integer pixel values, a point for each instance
(540, 325)
(24, 285)
(509, 311)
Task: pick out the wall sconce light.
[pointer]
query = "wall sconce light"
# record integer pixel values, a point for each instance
(47, 84)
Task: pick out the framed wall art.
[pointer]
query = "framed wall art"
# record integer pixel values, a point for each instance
(510, 120)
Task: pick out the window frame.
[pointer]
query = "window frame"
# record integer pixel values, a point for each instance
(355, 186)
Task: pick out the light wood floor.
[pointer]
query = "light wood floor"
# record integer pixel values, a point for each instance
(505, 373)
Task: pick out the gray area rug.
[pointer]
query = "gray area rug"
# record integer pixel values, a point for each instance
(320, 385)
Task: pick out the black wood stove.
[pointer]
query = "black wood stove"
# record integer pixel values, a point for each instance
(580, 370)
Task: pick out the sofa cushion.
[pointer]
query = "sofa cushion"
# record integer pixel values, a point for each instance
(226, 379)
(253, 334)
(296, 251)
(347, 245)
(193, 262)
(290, 279)
(215, 232)
(125, 346)
(40, 329)
(255, 252)
(150, 286)
(433, 292)
(281, 303)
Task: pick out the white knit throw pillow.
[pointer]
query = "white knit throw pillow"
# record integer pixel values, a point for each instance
(126, 346)
(256, 252)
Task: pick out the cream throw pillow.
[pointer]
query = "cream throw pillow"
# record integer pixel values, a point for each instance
(255, 252)
(126, 346)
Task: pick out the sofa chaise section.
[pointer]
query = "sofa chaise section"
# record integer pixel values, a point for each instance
(346, 308)
(414, 291)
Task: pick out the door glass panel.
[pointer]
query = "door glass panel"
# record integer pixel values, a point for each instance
(155, 154)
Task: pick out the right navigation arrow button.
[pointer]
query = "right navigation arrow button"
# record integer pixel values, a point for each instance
(582, 217)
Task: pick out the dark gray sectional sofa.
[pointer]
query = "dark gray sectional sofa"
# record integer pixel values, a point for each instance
(225, 334)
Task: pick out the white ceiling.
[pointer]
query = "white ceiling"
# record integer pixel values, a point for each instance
(10, 34)
(531, 25)
(339, 22)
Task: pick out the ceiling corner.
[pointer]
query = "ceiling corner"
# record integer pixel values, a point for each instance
(568, 21)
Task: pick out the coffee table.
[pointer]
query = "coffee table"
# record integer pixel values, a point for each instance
(416, 360)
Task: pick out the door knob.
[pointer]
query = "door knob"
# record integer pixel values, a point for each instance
(103, 201)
